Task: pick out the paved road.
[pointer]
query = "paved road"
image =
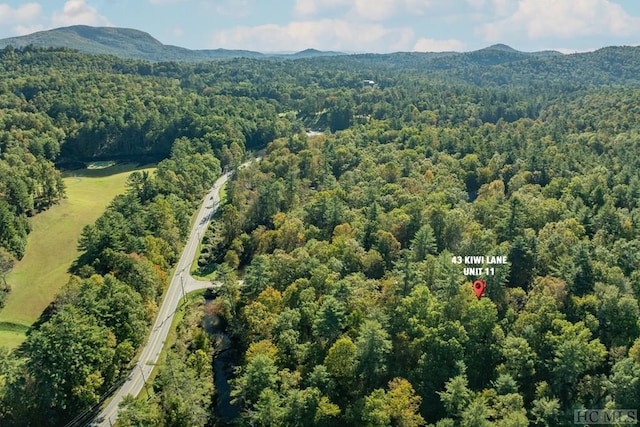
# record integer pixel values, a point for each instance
(181, 283)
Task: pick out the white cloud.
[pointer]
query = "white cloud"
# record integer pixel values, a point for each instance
(76, 12)
(162, 2)
(19, 15)
(537, 19)
(22, 18)
(477, 4)
(374, 10)
(567, 50)
(334, 34)
(22, 30)
(377, 10)
(235, 8)
(503, 7)
(418, 6)
(29, 18)
(313, 7)
(432, 45)
(177, 31)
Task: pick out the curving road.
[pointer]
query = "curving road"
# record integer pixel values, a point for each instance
(181, 284)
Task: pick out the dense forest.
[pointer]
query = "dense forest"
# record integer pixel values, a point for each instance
(353, 309)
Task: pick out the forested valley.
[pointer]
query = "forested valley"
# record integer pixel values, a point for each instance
(352, 309)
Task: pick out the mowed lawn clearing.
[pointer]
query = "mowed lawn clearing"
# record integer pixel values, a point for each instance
(53, 245)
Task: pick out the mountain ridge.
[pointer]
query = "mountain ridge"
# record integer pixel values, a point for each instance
(131, 43)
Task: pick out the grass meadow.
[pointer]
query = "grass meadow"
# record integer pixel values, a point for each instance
(52, 247)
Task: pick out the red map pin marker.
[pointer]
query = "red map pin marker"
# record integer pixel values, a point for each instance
(478, 287)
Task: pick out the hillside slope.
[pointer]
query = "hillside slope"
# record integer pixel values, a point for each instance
(132, 44)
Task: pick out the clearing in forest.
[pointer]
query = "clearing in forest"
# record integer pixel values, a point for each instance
(52, 246)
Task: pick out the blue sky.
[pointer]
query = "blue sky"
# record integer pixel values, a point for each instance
(346, 25)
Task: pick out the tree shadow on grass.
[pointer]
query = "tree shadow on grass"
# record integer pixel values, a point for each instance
(206, 270)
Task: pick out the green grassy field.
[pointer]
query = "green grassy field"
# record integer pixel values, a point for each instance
(11, 334)
(52, 247)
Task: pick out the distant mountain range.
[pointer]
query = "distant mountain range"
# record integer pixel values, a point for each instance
(135, 44)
